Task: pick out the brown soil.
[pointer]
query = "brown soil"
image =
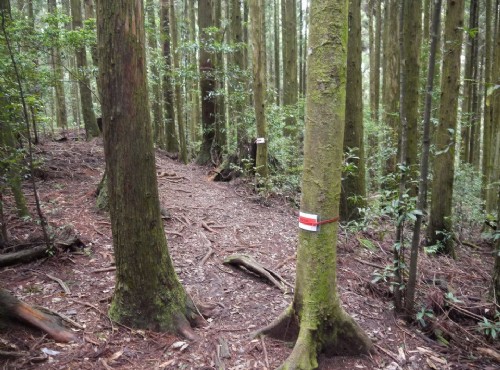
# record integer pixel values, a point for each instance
(208, 222)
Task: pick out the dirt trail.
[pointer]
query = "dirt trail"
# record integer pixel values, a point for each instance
(207, 222)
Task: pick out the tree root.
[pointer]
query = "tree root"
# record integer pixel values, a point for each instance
(251, 265)
(285, 327)
(304, 354)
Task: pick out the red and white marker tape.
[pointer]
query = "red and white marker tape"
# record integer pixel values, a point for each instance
(308, 221)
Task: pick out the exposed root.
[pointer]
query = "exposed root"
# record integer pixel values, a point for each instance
(304, 355)
(284, 328)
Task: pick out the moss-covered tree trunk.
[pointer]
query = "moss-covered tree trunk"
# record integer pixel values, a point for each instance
(353, 187)
(440, 222)
(171, 144)
(257, 18)
(323, 326)
(148, 293)
(89, 119)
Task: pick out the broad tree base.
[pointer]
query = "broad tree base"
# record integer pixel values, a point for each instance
(338, 335)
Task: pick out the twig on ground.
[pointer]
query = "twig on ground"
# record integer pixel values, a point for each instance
(61, 283)
(105, 269)
(205, 226)
(369, 263)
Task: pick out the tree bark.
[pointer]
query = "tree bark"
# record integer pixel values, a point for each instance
(148, 294)
(412, 33)
(257, 17)
(316, 316)
(58, 75)
(390, 91)
(353, 195)
(156, 89)
(179, 106)
(89, 119)
(440, 223)
(424, 161)
(290, 82)
(207, 82)
(171, 144)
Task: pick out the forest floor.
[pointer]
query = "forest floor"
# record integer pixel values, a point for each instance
(208, 222)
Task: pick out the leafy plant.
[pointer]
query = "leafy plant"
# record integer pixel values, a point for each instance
(422, 314)
(490, 328)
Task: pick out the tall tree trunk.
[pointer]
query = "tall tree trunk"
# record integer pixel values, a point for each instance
(58, 75)
(468, 86)
(207, 83)
(171, 144)
(277, 69)
(220, 138)
(237, 90)
(424, 162)
(73, 98)
(316, 318)
(179, 106)
(353, 195)
(257, 18)
(290, 82)
(440, 223)
(412, 33)
(156, 89)
(89, 119)
(148, 294)
(486, 190)
(390, 93)
(195, 121)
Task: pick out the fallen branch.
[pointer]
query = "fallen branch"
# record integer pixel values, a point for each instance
(24, 256)
(11, 307)
(251, 265)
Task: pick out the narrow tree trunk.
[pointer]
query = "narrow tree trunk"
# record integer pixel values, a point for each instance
(207, 83)
(171, 144)
(156, 89)
(412, 33)
(277, 69)
(353, 195)
(391, 88)
(58, 76)
(257, 17)
(424, 162)
(440, 223)
(195, 121)
(179, 106)
(89, 119)
(486, 191)
(290, 82)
